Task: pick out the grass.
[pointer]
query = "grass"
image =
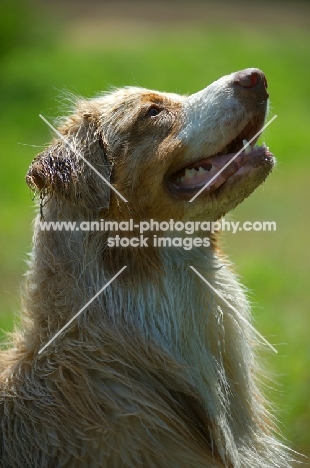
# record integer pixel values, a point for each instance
(274, 266)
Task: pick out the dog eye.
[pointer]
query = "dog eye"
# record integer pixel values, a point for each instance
(153, 111)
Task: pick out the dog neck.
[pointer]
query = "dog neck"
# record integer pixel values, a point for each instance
(159, 311)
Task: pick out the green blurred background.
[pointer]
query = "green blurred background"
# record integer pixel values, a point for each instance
(52, 47)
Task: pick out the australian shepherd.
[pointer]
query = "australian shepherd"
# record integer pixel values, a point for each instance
(160, 369)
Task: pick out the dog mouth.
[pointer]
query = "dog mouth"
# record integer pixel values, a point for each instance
(215, 170)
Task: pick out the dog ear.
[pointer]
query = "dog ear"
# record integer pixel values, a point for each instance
(72, 168)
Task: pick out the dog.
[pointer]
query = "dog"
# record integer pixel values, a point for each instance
(160, 369)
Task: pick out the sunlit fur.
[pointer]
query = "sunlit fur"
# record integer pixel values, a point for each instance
(158, 371)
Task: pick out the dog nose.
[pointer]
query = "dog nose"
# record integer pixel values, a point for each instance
(251, 78)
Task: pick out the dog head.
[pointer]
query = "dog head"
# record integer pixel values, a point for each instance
(159, 149)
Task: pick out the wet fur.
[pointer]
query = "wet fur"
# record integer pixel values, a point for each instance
(158, 371)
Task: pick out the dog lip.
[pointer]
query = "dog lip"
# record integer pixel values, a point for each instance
(254, 159)
(250, 129)
(209, 166)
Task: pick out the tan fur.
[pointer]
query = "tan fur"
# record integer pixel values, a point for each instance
(158, 371)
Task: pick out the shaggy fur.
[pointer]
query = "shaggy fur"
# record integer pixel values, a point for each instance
(158, 371)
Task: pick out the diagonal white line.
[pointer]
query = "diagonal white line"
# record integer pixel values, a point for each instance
(235, 310)
(232, 159)
(81, 310)
(82, 157)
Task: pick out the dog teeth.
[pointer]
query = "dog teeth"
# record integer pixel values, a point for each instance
(256, 147)
(201, 170)
(189, 173)
(248, 149)
(192, 173)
